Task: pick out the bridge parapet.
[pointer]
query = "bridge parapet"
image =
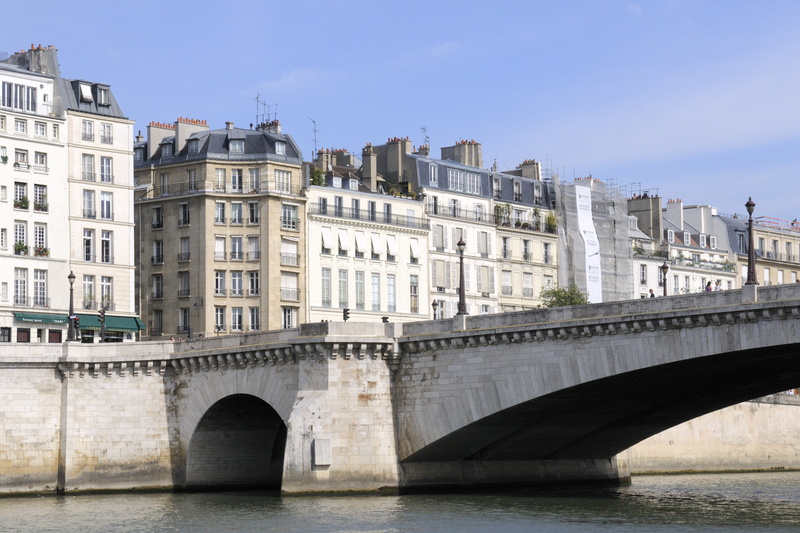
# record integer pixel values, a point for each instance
(633, 316)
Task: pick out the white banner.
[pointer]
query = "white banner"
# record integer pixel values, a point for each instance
(594, 285)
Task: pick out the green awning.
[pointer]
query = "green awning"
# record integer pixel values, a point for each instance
(42, 318)
(113, 323)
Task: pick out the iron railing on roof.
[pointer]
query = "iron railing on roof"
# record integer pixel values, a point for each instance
(369, 216)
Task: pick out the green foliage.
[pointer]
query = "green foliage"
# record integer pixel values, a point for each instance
(559, 297)
(317, 177)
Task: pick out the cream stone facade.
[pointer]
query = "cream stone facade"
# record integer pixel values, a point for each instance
(221, 229)
(66, 150)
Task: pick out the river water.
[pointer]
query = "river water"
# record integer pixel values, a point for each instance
(718, 503)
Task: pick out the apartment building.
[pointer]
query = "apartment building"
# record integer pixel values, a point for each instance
(504, 219)
(66, 151)
(220, 229)
(369, 248)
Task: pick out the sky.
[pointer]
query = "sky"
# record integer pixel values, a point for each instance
(696, 100)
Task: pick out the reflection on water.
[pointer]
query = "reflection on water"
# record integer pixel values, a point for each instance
(731, 502)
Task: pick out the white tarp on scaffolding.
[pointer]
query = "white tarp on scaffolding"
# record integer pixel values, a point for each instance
(594, 279)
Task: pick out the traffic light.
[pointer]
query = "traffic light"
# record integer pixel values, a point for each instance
(102, 315)
(345, 314)
(77, 323)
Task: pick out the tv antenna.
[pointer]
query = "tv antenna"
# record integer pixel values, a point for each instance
(314, 122)
(264, 113)
(425, 138)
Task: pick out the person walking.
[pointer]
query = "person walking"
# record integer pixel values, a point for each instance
(652, 294)
(708, 287)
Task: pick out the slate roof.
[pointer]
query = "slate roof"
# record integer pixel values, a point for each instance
(71, 99)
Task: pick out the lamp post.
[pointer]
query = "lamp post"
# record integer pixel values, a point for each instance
(664, 270)
(71, 317)
(751, 251)
(435, 306)
(462, 304)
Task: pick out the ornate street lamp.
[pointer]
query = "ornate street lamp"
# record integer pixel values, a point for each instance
(664, 270)
(71, 317)
(462, 304)
(435, 306)
(751, 252)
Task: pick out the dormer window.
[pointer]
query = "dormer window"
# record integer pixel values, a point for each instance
(193, 145)
(702, 241)
(138, 154)
(166, 150)
(670, 236)
(337, 182)
(280, 147)
(687, 238)
(86, 93)
(237, 146)
(353, 185)
(102, 96)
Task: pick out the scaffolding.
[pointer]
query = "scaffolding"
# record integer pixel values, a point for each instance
(609, 217)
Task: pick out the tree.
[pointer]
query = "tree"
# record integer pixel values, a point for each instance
(317, 177)
(559, 297)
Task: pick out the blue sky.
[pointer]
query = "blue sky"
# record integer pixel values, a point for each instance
(696, 100)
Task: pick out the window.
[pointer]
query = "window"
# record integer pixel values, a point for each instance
(105, 247)
(106, 206)
(289, 216)
(236, 284)
(433, 175)
(237, 252)
(390, 293)
(219, 318)
(163, 184)
(102, 96)
(526, 250)
(236, 319)
(166, 149)
(184, 287)
(480, 215)
(157, 282)
(643, 274)
(289, 317)
(280, 147)
(21, 157)
(157, 323)
(158, 217)
(219, 282)
(106, 172)
(20, 286)
(88, 204)
(193, 146)
(40, 129)
(713, 242)
(253, 283)
(376, 292)
(20, 195)
(414, 293)
(219, 248)
(460, 180)
(88, 245)
(158, 252)
(183, 320)
(40, 239)
(20, 237)
(237, 146)
(40, 162)
(255, 319)
(219, 213)
(87, 167)
(183, 214)
(505, 250)
(236, 180)
(255, 179)
(527, 285)
(20, 126)
(687, 238)
(283, 180)
(252, 209)
(220, 185)
(343, 288)
(30, 100)
(338, 206)
(359, 289)
(326, 287)
(236, 212)
(670, 236)
(55, 131)
(106, 133)
(253, 248)
(191, 182)
(88, 292)
(517, 191)
(87, 130)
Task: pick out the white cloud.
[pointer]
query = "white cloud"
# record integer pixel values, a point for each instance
(442, 49)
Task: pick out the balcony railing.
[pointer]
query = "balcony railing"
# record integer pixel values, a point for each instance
(362, 214)
(88, 176)
(290, 259)
(89, 213)
(220, 256)
(107, 139)
(253, 256)
(184, 293)
(291, 295)
(237, 256)
(41, 301)
(704, 265)
(156, 259)
(507, 290)
(184, 256)
(220, 292)
(290, 223)
(157, 295)
(89, 304)
(527, 292)
(158, 224)
(237, 292)
(191, 187)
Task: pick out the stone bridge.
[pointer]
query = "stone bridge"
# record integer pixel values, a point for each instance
(519, 399)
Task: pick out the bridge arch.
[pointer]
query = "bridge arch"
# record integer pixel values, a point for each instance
(239, 443)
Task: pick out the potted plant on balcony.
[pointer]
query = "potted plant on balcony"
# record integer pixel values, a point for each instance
(41, 251)
(20, 248)
(22, 203)
(40, 206)
(4, 159)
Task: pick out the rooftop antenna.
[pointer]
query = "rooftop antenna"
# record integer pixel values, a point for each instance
(314, 122)
(260, 106)
(425, 139)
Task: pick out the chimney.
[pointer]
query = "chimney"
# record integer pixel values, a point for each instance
(185, 128)
(424, 150)
(674, 212)
(465, 152)
(530, 168)
(647, 210)
(157, 132)
(139, 137)
(229, 125)
(369, 167)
